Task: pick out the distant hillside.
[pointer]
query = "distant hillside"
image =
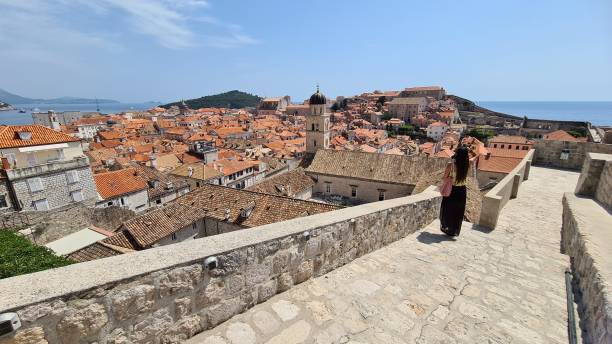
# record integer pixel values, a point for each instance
(8, 97)
(232, 99)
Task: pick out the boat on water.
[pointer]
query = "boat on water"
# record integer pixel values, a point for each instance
(22, 111)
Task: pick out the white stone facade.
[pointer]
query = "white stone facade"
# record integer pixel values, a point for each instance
(136, 201)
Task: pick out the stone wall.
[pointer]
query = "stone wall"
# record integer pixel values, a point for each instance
(494, 201)
(166, 294)
(56, 189)
(596, 178)
(587, 238)
(548, 153)
(50, 225)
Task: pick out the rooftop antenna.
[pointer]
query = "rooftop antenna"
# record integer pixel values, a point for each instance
(97, 105)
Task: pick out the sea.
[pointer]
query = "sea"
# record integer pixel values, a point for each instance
(598, 113)
(14, 117)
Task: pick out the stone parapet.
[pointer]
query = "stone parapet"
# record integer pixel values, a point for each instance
(587, 238)
(167, 294)
(495, 200)
(549, 153)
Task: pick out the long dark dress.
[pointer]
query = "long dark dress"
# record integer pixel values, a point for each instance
(453, 209)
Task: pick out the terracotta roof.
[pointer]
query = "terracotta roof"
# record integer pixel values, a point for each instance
(497, 164)
(562, 135)
(111, 135)
(228, 167)
(40, 135)
(211, 201)
(95, 251)
(159, 183)
(384, 168)
(286, 184)
(199, 171)
(510, 139)
(116, 183)
(508, 153)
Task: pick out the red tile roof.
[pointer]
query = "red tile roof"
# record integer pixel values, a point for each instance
(40, 135)
(562, 135)
(116, 183)
(497, 164)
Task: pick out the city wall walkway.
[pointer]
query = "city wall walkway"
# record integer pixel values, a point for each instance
(503, 286)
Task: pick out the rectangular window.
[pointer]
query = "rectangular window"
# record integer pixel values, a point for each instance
(60, 154)
(173, 236)
(41, 204)
(72, 177)
(381, 195)
(3, 203)
(35, 184)
(502, 146)
(328, 187)
(77, 196)
(353, 191)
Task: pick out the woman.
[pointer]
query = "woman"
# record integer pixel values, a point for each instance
(453, 206)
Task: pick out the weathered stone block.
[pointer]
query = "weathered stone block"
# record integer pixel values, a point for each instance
(285, 282)
(118, 336)
(133, 301)
(212, 293)
(151, 328)
(33, 313)
(223, 311)
(80, 325)
(280, 262)
(182, 330)
(304, 271)
(230, 263)
(182, 307)
(179, 280)
(267, 290)
(258, 273)
(32, 335)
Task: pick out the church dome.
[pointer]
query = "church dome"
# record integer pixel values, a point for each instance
(318, 98)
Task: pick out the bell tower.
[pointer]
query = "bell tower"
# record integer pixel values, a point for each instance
(317, 124)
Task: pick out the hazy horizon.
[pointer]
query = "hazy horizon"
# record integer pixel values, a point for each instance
(165, 50)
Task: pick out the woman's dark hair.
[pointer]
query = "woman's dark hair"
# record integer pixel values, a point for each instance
(462, 163)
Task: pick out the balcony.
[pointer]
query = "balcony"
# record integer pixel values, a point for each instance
(46, 168)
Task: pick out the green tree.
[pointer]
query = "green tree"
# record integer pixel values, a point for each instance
(406, 129)
(481, 134)
(18, 256)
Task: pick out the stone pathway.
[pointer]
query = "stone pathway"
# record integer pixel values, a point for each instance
(504, 286)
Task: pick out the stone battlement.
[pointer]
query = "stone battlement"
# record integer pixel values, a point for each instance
(167, 294)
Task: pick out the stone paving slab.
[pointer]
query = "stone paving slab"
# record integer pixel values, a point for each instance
(504, 286)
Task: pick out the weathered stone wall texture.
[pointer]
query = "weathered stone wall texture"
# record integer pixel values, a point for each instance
(54, 224)
(604, 189)
(594, 296)
(176, 303)
(548, 153)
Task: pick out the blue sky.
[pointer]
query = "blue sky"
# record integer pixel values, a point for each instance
(140, 50)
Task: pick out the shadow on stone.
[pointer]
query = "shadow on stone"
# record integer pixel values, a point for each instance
(432, 238)
(482, 229)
